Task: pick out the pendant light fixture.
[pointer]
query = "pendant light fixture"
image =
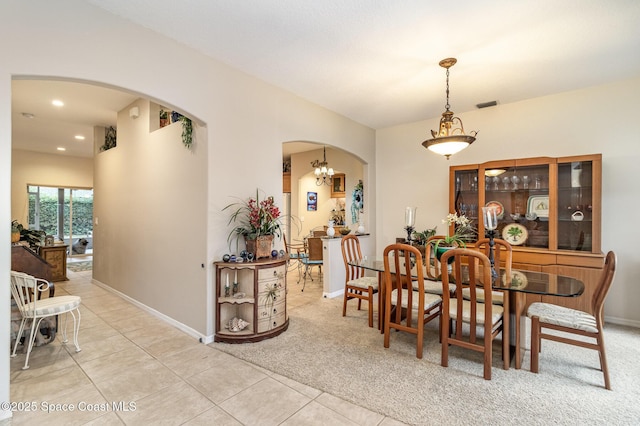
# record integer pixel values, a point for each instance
(322, 170)
(451, 138)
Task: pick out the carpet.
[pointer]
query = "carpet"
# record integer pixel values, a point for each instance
(344, 357)
(80, 266)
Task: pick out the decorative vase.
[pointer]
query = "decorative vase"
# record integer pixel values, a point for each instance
(331, 231)
(361, 228)
(15, 237)
(441, 250)
(261, 246)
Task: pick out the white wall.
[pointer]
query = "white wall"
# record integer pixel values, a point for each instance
(589, 121)
(246, 121)
(35, 168)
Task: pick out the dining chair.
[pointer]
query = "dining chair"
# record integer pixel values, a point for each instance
(357, 285)
(474, 276)
(503, 259)
(26, 290)
(401, 263)
(574, 322)
(312, 257)
(293, 251)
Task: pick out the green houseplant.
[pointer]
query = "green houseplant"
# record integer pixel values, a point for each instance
(187, 131)
(463, 232)
(258, 221)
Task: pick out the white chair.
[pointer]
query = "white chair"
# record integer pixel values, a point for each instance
(26, 293)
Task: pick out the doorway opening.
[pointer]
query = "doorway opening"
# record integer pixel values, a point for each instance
(64, 213)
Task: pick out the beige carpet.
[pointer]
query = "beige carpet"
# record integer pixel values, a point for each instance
(85, 265)
(344, 357)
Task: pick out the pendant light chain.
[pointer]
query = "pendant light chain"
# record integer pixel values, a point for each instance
(447, 106)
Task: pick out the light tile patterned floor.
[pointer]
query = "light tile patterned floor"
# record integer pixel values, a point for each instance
(130, 359)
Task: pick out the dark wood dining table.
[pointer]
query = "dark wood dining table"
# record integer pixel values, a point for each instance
(521, 283)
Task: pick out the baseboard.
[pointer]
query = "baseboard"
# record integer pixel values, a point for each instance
(621, 321)
(333, 294)
(180, 326)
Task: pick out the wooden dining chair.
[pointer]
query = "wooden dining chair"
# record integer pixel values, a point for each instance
(503, 258)
(357, 285)
(401, 263)
(574, 322)
(471, 270)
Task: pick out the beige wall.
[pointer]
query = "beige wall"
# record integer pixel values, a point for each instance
(588, 121)
(303, 180)
(246, 123)
(33, 168)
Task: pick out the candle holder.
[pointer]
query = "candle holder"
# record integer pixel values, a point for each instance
(409, 230)
(490, 218)
(409, 222)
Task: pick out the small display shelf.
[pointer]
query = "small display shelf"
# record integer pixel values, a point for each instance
(251, 300)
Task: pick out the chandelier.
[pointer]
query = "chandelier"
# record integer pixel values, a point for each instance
(449, 139)
(323, 172)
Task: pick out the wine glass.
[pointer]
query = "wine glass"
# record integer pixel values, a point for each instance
(496, 181)
(516, 180)
(506, 182)
(525, 182)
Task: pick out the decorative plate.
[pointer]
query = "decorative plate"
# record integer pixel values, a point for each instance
(498, 206)
(518, 280)
(515, 234)
(539, 205)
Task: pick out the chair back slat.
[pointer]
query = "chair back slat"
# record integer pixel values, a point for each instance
(351, 252)
(604, 284)
(502, 253)
(25, 290)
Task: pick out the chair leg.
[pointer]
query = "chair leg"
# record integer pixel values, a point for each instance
(488, 354)
(344, 304)
(535, 343)
(35, 325)
(444, 339)
(370, 294)
(76, 329)
(603, 360)
(19, 336)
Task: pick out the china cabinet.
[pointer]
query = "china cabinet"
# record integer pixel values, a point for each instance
(548, 209)
(251, 300)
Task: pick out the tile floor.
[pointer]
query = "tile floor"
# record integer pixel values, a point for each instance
(136, 369)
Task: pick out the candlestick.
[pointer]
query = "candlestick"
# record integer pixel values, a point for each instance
(226, 287)
(235, 283)
(410, 216)
(490, 218)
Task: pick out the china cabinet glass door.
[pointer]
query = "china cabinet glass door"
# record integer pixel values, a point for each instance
(575, 206)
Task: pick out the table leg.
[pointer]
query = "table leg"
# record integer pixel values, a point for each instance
(520, 327)
(381, 302)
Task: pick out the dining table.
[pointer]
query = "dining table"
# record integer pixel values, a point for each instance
(521, 282)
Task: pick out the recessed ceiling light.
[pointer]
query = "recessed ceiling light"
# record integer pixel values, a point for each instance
(28, 115)
(61, 148)
(57, 103)
(79, 137)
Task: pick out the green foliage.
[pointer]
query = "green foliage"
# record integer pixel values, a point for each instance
(32, 236)
(109, 138)
(187, 131)
(82, 215)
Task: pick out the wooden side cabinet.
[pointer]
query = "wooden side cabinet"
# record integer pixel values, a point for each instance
(251, 300)
(56, 256)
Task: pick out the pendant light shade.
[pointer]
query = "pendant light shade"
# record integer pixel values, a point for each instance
(450, 138)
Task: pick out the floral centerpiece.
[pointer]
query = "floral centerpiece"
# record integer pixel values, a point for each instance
(463, 232)
(258, 221)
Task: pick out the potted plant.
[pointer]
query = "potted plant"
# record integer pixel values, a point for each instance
(15, 231)
(33, 237)
(187, 131)
(164, 118)
(463, 232)
(258, 221)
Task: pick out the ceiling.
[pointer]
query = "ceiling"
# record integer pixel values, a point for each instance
(376, 61)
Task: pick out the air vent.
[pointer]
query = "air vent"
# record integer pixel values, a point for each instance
(487, 104)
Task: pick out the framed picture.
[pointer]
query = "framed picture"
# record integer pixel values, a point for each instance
(337, 185)
(312, 201)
